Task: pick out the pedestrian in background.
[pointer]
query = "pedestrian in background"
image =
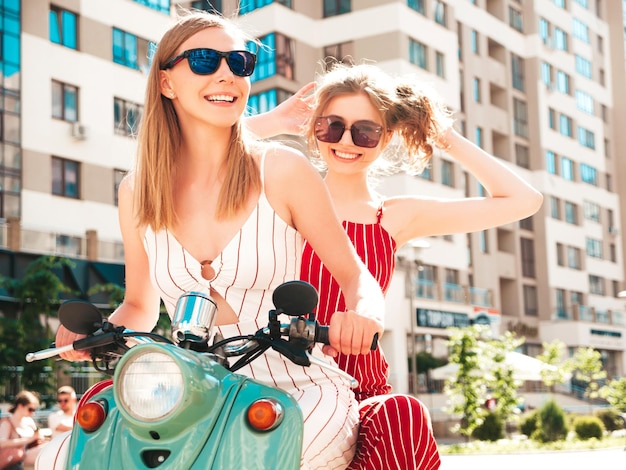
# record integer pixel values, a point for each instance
(63, 419)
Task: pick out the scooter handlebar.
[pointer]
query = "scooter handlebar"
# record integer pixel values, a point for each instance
(321, 336)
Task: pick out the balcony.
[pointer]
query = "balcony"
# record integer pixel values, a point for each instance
(13, 237)
(455, 293)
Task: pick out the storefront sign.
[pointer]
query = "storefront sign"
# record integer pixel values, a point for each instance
(441, 319)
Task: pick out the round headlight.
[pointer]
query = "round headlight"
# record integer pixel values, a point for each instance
(150, 386)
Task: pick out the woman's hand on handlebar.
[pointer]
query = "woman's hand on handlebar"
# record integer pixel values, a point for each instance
(351, 333)
(64, 337)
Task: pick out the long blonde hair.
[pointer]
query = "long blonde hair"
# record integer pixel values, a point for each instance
(160, 135)
(407, 108)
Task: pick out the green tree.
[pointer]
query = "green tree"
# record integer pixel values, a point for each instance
(615, 393)
(38, 294)
(553, 354)
(502, 381)
(587, 366)
(467, 391)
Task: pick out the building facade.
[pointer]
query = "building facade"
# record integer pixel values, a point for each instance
(538, 83)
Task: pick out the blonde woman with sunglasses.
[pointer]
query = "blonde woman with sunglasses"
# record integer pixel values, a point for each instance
(351, 120)
(208, 206)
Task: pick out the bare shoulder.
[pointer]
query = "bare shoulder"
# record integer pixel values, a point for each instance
(286, 165)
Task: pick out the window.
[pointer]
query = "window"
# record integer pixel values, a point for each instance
(246, 6)
(337, 7)
(586, 138)
(567, 169)
(562, 82)
(440, 64)
(522, 156)
(478, 136)
(65, 177)
(266, 100)
(447, 173)
(417, 5)
(565, 125)
(417, 53)
(560, 254)
(275, 57)
(555, 208)
(515, 19)
(162, 6)
(594, 248)
(126, 117)
(64, 101)
(571, 213)
(561, 312)
(527, 224)
(118, 175)
(483, 241)
(560, 39)
(596, 285)
(546, 74)
(528, 257)
(551, 162)
(476, 89)
(544, 30)
(63, 27)
(580, 31)
(474, 41)
(583, 67)
(588, 174)
(440, 13)
(426, 174)
(517, 72)
(584, 102)
(531, 308)
(520, 118)
(591, 211)
(582, 3)
(130, 51)
(343, 52)
(573, 257)
(212, 6)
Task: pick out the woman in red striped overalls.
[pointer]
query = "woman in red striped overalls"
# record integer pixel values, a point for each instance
(356, 110)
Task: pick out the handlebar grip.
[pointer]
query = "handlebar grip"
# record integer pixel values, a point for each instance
(321, 336)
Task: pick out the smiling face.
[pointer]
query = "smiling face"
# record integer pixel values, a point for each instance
(345, 155)
(218, 99)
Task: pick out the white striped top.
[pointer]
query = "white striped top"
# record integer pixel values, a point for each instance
(263, 254)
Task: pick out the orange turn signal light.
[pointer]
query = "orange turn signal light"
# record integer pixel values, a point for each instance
(265, 414)
(91, 415)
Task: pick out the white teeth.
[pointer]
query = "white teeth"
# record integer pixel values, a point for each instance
(348, 156)
(228, 99)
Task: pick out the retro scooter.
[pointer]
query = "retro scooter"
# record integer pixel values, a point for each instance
(179, 404)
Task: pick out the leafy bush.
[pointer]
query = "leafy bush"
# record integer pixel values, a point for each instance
(587, 427)
(611, 419)
(528, 424)
(491, 429)
(552, 425)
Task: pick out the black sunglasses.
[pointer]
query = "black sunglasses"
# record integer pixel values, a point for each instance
(364, 133)
(207, 61)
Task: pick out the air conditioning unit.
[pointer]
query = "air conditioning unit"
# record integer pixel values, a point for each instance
(613, 230)
(79, 131)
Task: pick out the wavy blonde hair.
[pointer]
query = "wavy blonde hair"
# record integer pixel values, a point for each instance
(407, 108)
(159, 137)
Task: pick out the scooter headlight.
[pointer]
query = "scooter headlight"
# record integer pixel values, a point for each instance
(151, 385)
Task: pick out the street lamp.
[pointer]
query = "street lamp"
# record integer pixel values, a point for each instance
(410, 256)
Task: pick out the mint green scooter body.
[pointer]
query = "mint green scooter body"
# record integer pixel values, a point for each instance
(207, 430)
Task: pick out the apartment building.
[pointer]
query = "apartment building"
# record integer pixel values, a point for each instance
(538, 83)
